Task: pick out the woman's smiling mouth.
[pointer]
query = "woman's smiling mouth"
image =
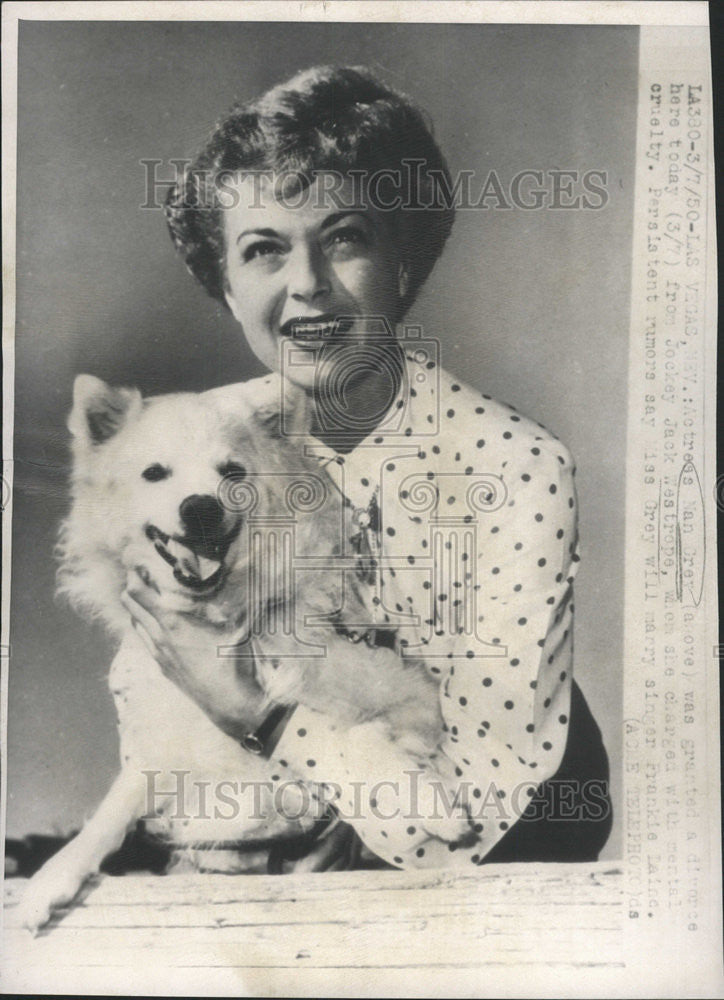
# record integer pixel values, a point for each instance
(312, 328)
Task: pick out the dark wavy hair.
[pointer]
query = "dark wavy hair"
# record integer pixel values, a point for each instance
(324, 119)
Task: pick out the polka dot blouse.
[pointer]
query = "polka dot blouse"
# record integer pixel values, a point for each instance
(477, 551)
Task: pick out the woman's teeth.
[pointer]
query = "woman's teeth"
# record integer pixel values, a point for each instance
(313, 331)
(309, 330)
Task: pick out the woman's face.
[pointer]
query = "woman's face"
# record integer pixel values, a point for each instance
(292, 271)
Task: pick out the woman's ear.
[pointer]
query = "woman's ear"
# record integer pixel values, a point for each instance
(232, 304)
(403, 280)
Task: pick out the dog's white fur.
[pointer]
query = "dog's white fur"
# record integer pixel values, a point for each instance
(116, 436)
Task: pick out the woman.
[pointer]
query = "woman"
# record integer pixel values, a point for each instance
(315, 214)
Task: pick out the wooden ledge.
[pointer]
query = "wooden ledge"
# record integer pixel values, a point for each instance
(239, 934)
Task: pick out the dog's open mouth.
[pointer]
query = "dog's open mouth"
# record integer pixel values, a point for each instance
(198, 566)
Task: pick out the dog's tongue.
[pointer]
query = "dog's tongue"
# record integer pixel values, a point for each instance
(190, 563)
(207, 567)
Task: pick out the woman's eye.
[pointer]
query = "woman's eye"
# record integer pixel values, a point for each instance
(347, 243)
(263, 248)
(156, 472)
(348, 236)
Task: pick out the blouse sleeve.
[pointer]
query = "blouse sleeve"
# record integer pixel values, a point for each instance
(507, 714)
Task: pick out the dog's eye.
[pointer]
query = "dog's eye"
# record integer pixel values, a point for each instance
(154, 473)
(233, 469)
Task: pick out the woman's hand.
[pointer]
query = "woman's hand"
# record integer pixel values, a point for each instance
(188, 652)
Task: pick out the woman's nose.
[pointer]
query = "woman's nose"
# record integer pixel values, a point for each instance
(308, 279)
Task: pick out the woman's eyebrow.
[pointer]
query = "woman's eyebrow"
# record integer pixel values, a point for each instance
(269, 233)
(336, 217)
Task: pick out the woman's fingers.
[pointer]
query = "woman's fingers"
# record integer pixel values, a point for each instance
(140, 591)
(150, 633)
(146, 639)
(141, 616)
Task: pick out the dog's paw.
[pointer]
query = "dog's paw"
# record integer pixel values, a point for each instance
(443, 809)
(54, 886)
(409, 782)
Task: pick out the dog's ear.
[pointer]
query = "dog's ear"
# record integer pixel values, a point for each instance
(100, 410)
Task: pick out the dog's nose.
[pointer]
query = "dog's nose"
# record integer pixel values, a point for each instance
(202, 516)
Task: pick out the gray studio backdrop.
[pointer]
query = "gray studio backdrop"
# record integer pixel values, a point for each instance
(530, 306)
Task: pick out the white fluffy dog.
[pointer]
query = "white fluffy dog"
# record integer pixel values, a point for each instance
(146, 499)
